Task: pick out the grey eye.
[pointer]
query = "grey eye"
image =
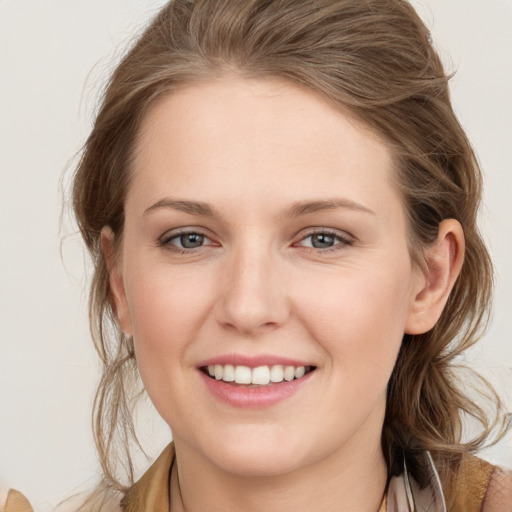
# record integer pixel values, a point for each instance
(191, 240)
(322, 240)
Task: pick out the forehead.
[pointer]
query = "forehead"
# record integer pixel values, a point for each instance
(279, 138)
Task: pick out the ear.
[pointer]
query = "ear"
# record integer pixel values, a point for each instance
(432, 288)
(116, 282)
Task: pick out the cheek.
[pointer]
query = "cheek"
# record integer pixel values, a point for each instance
(167, 308)
(359, 318)
(165, 319)
(164, 302)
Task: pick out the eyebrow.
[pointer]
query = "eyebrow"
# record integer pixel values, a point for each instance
(296, 210)
(306, 207)
(191, 207)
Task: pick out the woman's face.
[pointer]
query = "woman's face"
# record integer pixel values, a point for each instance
(263, 231)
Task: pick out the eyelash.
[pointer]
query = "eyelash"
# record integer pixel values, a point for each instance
(340, 242)
(165, 241)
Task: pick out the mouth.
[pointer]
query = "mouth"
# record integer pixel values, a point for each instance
(261, 376)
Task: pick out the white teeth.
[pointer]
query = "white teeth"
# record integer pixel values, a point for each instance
(289, 373)
(276, 373)
(299, 372)
(229, 373)
(260, 376)
(243, 375)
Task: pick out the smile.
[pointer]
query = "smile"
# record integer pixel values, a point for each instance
(259, 376)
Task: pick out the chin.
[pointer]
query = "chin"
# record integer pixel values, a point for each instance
(261, 462)
(256, 453)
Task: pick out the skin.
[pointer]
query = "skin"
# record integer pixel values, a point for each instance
(253, 150)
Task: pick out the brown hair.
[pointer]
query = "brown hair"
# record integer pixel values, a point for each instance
(374, 58)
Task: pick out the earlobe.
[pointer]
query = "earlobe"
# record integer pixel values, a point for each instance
(117, 290)
(444, 261)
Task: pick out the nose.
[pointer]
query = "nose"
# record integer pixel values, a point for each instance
(253, 297)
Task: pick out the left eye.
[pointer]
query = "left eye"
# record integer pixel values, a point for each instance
(323, 241)
(187, 240)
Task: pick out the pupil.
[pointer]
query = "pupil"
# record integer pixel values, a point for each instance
(191, 240)
(322, 241)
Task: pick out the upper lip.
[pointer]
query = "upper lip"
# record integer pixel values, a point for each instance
(252, 361)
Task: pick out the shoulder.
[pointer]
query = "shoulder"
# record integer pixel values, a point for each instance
(478, 486)
(16, 502)
(498, 497)
(100, 500)
(151, 492)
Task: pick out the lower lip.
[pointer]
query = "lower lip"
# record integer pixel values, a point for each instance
(253, 397)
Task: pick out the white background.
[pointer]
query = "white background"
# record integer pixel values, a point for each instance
(54, 55)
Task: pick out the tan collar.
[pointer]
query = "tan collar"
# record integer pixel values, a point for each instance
(151, 492)
(16, 502)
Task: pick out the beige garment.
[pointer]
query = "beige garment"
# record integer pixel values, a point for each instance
(467, 492)
(16, 502)
(151, 492)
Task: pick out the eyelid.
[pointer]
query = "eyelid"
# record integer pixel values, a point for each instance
(344, 238)
(172, 234)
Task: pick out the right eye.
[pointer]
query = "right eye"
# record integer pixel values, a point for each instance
(185, 241)
(324, 240)
(188, 240)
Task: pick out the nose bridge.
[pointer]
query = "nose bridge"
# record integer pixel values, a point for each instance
(252, 298)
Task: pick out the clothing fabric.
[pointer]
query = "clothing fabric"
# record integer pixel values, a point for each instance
(465, 494)
(151, 492)
(16, 502)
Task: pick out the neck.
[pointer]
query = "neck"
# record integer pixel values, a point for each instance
(343, 482)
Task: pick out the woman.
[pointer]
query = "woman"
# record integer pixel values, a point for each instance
(281, 208)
